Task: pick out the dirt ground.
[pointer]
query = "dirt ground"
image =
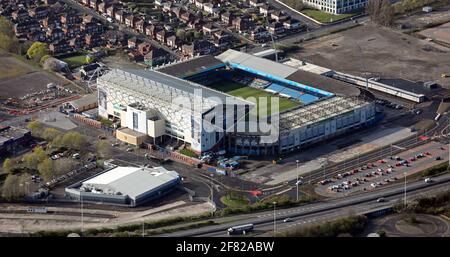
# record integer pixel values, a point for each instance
(381, 52)
(18, 78)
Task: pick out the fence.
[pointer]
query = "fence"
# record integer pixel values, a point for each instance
(91, 122)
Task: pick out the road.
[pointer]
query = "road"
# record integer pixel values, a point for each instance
(263, 221)
(128, 31)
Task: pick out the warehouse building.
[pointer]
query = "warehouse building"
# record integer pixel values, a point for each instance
(11, 138)
(125, 186)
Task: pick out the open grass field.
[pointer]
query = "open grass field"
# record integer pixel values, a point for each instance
(324, 17)
(242, 91)
(75, 61)
(12, 68)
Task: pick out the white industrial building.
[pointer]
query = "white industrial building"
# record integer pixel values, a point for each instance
(336, 6)
(125, 185)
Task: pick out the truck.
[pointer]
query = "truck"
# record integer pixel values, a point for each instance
(241, 229)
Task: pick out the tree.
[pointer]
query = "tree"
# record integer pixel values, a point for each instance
(44, 58)
(6, 27)
(37, 50)
(9, 44)
(10, 188)
(103, 148)
(381, 12)
(35, 127)
(31, 160)
(89, 59)
(45, 169)
(8, 165)
(181, 34)
(74, 140)
(198, 34)
(63, 166)
(50, 134)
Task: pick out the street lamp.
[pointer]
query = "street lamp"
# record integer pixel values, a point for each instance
(297, 178)
(274, 219)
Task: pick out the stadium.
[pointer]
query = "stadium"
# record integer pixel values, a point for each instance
(311, 107)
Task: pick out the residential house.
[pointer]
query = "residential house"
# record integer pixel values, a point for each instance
(196, 24)
(39, 12)
(22, 28)
(292, 24)
(162, 35)
(259, 34)
(51, 22)
(209, 28)
(136, 56)
(37, 35)
(130, 21)
(55, 34)
(227, 18)
(242, 24)
(50, 2)
(92, 28)
(20, 15)
(120, 16)
(86, 2)
(174, 42)
(279, 16)
(89, 18)
(70, 19)
(199, 3)
(276, 28)
(156, 57)
(266, 9)
(140, 26)
(77, 43)
(256, 3)
(71, 30)
(133, 42)
(187, 17)
(94, 4)
(60, 46)
(111, 11)
(211, 8)
(199, 47)
(103, 7)
(152, 30)
(144, 48)
(116, 38)
(93, 40)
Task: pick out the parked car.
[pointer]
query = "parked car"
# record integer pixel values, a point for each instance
(287, 220)
(380, 200)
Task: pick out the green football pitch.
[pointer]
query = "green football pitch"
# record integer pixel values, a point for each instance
(242, 91)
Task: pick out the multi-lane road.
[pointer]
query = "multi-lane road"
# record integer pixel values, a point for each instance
(321, 211)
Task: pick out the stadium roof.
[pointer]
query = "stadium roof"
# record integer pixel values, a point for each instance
(320, 110)
(256, 63)
(192, 66)
(133, 181)
(324, 83)
(167, 87)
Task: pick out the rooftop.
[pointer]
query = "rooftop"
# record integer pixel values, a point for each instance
(318, 111)
(167, 88)
(132, 181)
(11, 133)
(192, 66)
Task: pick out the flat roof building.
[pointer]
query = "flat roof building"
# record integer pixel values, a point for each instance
(126, 185)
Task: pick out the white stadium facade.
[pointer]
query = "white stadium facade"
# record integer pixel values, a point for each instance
(177, 101)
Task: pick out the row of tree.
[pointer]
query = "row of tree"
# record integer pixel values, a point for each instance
(381, 12)
(8, 40)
